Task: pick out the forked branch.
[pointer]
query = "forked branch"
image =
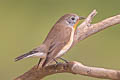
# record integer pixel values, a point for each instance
(83, 31)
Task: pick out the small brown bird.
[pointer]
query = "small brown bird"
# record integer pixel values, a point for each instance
(57, 42)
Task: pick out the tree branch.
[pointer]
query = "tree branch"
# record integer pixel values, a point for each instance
(71, 67)
(86, 29)
(83, 31)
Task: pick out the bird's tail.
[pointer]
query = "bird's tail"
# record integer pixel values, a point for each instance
(23, 56)
(40, 52)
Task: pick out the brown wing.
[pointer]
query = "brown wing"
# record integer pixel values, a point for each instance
(60, 38)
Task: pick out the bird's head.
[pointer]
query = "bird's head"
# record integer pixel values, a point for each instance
(71, 20)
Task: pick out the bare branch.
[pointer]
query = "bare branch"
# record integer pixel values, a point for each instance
(83, 31)
(83, 27)
(71, 67)
(86, 28)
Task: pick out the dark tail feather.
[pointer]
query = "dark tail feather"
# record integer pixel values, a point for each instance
(25, 55)
(21, 57)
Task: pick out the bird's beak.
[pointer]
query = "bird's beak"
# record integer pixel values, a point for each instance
(81, 17)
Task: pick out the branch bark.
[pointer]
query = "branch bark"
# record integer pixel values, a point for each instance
(71, 67)
(83, 31)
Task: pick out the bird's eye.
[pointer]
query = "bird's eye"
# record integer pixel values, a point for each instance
(73, 18)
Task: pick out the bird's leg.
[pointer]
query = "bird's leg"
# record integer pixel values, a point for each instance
(63, 60)
(56, 61)
(39, 62)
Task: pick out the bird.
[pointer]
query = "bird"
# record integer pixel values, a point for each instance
(58, 41)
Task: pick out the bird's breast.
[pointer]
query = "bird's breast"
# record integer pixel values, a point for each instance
(67, 46)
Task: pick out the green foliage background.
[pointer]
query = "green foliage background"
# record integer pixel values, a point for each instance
(24, 24)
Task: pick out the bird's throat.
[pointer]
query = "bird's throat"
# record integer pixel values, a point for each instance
(76, 24)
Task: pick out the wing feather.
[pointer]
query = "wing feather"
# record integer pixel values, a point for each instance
(60, 39)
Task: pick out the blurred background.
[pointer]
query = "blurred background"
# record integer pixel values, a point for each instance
(24, 24)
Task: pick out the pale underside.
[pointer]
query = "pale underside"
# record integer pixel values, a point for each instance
(39, 54)
(66, 47)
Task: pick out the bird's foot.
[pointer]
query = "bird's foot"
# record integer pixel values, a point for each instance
(63, 60)
(57, 63)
